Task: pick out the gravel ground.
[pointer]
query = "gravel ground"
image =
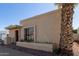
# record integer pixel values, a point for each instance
(5, 51)
(31, 51)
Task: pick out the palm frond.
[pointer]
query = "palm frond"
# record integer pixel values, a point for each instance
(59, 5)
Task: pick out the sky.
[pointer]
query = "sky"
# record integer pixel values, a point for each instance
(11, 14)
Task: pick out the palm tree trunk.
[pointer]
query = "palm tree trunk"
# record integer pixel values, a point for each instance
(66, 39)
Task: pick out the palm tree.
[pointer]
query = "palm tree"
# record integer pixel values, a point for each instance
(66, 39)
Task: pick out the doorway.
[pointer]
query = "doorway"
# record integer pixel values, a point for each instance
(16, 35)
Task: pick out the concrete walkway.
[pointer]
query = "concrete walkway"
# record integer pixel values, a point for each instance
(5, 51)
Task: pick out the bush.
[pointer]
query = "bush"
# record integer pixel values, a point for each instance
(22, 40)
(75, 31)
(29, 40)
(56, 51)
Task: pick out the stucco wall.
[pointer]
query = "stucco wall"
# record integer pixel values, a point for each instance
(75, 49)
(75, 36)
(12, 35)
(37, 46)
(47, 26)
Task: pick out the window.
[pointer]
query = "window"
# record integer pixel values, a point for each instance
(29, 34)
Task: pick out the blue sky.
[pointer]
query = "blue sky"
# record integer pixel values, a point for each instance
(13, 13)
(76, 17)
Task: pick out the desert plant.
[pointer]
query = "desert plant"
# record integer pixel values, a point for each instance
(66, 40)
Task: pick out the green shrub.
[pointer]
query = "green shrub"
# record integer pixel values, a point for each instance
(29, 40)
(56, 51)
(75, 31)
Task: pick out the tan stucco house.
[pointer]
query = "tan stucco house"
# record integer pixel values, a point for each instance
(44, 28)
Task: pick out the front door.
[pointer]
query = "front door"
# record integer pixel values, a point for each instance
(16, 35)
